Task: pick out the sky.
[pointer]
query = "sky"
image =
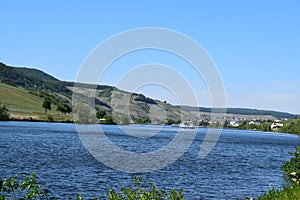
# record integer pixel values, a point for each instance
(255, 45)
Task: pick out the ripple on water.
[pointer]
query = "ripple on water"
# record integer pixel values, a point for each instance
(242, 163)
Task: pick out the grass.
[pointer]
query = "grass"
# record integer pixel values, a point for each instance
(23, 105)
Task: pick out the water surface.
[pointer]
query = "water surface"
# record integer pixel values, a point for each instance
(243, 163)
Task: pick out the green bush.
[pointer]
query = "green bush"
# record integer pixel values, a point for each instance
(28, 188)
(147, 192)
(4, 115)
(292, 174)
(291, 127)
(50, 118)
(292, 168)
(287, 193)
(25, 189)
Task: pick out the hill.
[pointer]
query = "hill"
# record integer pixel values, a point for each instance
(23, 90)
(24, 105)
(241, 111)
(28, 87)
(32, 79)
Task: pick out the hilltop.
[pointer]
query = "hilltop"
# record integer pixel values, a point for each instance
(23, 90)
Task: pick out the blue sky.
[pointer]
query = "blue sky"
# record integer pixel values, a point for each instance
(255, 44)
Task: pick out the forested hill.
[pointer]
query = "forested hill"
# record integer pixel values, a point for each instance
(241, 111)
(32, 79)
(36, 80)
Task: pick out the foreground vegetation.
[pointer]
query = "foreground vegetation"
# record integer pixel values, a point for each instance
(28, 188)
(292, 174)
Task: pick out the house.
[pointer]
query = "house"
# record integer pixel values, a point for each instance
(234, 123)
(276, 125)
(256, 123)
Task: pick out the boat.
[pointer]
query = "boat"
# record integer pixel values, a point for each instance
(186, 125)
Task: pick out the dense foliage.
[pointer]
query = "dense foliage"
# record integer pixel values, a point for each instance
(32, 79)
(292, 168)
(100, 114)
(4, 115)
(46, 105)
(171, 121)
(292, 174)
(264, 126)
(28, 188)
(144, 192)
(23, 189)
(292, 127)
(64, 108)
(144, 99)
(142, 120)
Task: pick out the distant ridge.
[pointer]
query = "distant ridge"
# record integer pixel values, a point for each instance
(36, 81)
(240, 111)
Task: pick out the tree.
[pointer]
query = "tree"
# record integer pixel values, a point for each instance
(292, 168)
(100, 114)
(4, 115)
(46, 105)
(142, 120)
(292, 175)
(64, 108)
(124, 119)
(109, 119)
(293, 127)
(83, 113)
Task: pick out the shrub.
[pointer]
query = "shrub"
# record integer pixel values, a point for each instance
(28, 188)
(50, 118)
(292, 174)
(292, 168)
(4, 115)
(148, 192)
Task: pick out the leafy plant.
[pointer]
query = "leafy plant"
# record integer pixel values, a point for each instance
(292, 174)
(24, 189)
(64, 108)
(292, 168)
(28, 188)
(147, 192)
(100, 114)
(50, 118)
(46, 105)
(4, 115)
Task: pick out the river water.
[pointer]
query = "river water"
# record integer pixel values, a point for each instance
(242, 163)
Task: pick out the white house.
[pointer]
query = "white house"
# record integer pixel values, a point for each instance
(276, 125)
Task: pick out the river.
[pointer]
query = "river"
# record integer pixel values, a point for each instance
(242, 163)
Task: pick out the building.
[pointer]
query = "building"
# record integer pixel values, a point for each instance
(276, 125)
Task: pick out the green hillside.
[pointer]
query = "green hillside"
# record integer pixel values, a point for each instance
(23, 90)
(22, 104)
(32, 79)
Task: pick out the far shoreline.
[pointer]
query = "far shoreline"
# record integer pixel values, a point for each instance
(72, 122)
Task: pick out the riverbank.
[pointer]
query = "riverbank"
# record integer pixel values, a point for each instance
(291, 127)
